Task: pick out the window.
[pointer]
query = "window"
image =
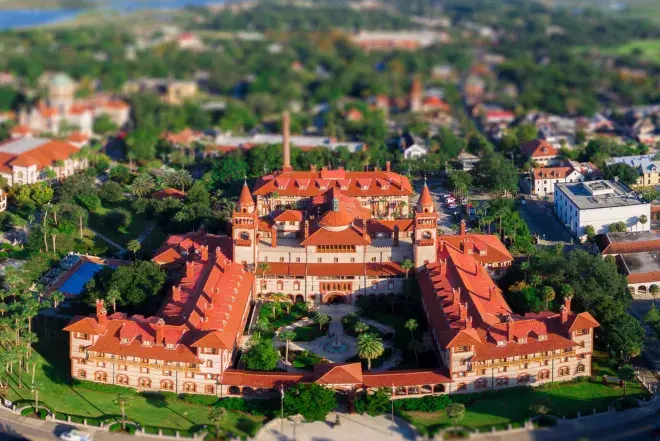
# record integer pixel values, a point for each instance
(502, 381)
(563, 371)
(100, 364)
(209, 363)
(582, 332)
(281, 259)
(319, 260)
(208, 389)
(170, 346)
(190, 375)
(167, 373)
(167, 385)
(580, 368)
(144, 370)
(352, 259)
(82, 374)
(122, 379)
(390, 285)
(336, 260)
(373, 259)
(81, 349)
(461, 349)
(189, 387)
(297, 259)
(82, 336)
(101, 376)
(122, 367)
(481, 383)
(144, 382)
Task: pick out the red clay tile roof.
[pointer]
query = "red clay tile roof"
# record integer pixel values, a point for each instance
(44, 155)
(336, 373)
(425, 199)
(486, 248)
(290, 216)
(404, 378)
(387, 226)
(169, 193)
(538, 148)
(284, 182)
(20, 130)
(86, 325)
(552, 172)
(262, 380)
(583, 320)
(245, 199)
(349, 236)
(77, 137)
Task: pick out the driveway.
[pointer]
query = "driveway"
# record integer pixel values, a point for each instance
(351, 428)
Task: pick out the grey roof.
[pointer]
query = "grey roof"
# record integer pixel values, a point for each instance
(634, 236)
(599, 194)
(22, 145)
(641, 263)
(643, 163)
(296, 141)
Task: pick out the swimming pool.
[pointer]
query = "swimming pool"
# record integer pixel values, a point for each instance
(76, 281)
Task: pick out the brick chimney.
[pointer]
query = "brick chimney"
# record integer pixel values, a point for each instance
(396, 235)
(101, 312)
(509, 329)
(565, 309)
(160, 331)
(388, 166)
(490, 293)
(286, 141)
(176, 293)
(463, 227)
(462, 311)
(205, 252)
(306, 229)
(468, 323)
(456, 297)
(189, 270)
(273, 237)
(312, 168)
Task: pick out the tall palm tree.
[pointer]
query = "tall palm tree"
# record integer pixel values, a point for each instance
(169, 177)
(286, 337)
(57, 297)
(36, 387)
(183, 178)
(416, 347)
(411, 325)
(263, 267)
(407, 265)
(112, 297)
(123, 401)
(142, 185)
(134, 246)
(369, 346)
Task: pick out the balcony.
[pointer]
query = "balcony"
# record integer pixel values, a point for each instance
(141, 364)
(518, 362)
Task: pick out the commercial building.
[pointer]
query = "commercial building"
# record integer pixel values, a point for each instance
(543, 179)
(600, 204)
(31, 160)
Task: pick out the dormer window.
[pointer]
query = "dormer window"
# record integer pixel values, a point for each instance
(170, 346)
(501, 343)
(543, 337)
(146, 343)
(522, 340)
(124, 341)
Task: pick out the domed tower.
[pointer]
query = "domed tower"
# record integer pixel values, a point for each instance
(425, 229)
(61, 92)
(244, 229)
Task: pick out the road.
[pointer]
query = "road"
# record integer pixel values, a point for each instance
(36, 430)
(542, 221)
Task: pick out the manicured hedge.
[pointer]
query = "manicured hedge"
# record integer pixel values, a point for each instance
(429, 403)
(254, 407)
(98, 387)
(202, 400)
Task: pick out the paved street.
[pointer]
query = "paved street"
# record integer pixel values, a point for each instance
(542, 221)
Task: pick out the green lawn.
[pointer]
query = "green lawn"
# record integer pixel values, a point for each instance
(649, 50)
(139, 223)
(53, 376)
(513, 405)
(305, 360)
(308, 333)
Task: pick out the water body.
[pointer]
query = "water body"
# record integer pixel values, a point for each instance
(21, 18)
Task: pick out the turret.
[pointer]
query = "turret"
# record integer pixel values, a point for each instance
(425, 230)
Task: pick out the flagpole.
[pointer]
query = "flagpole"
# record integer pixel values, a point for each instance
(282, 408)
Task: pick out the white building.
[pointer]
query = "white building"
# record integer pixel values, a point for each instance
(414, 151)
(600, 204)
(544, 178)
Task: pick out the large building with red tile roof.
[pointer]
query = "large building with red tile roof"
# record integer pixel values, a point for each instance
(28, 160)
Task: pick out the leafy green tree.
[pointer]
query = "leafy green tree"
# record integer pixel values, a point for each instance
(141, 145)
(133, 246)
(217, 415)
(626, 338)
(652, 319)
(369, 346)
(455, 412)
(120, 218)
(618, 227)
(360, 327)
(120, 174)
(548, 295)
(261, 356)
(374, 404)
(626, 373)
(198, 194)
(136, 282)
(104, 125)
(625, 173)
(526, 133)
(407, 265)
(111, 192)
(496, 173)
(590, 232)
(310, 400)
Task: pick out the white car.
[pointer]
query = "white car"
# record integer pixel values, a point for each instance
(76, 435)
(451, 199)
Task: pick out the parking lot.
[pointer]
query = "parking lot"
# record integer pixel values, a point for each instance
(541, 221)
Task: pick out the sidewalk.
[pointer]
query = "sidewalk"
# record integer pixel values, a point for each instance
(107, 239)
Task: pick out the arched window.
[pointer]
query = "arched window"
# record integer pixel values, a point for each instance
(502, 381)
(234, 390)
(144, 382)
(524, 378)
(426, 235)
(245, 235)
(167, 385)
(208, 389)
(461, 386)
(543, 375)
(101, 376)
(563, 371)
(280, 285)
(189, 387)
(209, 363)
(122, 379)
(296, 286)
(82, 373)
(580, 368)
(481, 383)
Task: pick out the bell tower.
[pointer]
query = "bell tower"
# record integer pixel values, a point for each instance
(244, 229)
(425, 230)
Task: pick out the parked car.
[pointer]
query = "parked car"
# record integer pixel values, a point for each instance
(451, 200)
(452, 205)
(76, 435)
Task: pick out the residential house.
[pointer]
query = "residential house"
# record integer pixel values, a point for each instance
(540, 152)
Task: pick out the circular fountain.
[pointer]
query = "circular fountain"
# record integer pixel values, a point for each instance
(336, 347)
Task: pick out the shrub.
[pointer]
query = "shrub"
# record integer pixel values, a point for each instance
(312, 401)
(428, 403)
(202, 400)
(117, 427)
(374, 404)
(111, 192)
(120, 174)
(90, 201)
(626, 403)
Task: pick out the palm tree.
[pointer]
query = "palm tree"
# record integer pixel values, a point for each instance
(416, 347)
(411, 325)
(287, 336)
(112, 297)
(360, 327)
(279, 298)
(36, 387)
(123, 401)
(183, 178)
(263, 267)
(369, 346)
(548, 294)
(322, 319)
(142, 185)
(654, 290)
(407, 265)
(134, 246)
(169, 177)
(217, 415)
(57, 297)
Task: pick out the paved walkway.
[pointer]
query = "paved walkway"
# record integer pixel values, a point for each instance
(147, 231)
(39, 430)
(351, 428)
(107, 239)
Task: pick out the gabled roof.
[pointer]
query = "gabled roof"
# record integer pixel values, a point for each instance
(583, 320)
(169, 193)
(214, 339)
(539, 148)
(85, 325)
(349, 236)
(289, 216)
(340, 373)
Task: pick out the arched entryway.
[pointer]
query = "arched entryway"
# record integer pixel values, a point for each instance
(335, 298)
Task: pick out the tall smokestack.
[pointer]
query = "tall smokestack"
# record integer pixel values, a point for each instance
(286, 142)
